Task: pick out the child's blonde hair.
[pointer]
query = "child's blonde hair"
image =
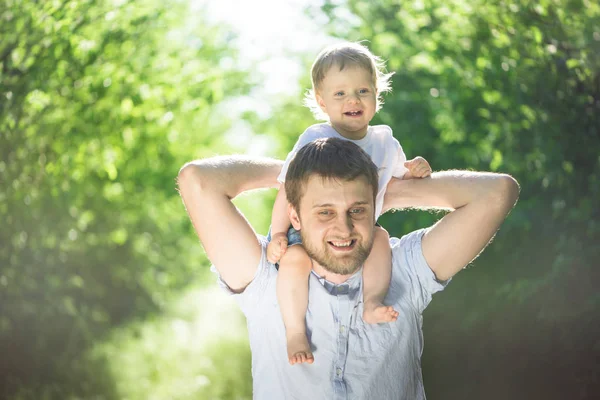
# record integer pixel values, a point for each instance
(342, 55)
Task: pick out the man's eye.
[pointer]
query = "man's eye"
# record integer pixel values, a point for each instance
(356, 210)
(324, 212)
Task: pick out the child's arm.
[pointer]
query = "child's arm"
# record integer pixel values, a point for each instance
(280, 223)
(418, 167)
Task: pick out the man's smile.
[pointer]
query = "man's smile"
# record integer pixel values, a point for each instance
(342, 246)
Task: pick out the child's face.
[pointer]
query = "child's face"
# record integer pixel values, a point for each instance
(348, 97)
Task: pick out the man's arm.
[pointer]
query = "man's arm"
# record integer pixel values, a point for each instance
(207, 187)
(479, 202)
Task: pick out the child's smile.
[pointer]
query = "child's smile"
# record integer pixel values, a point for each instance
(354, 113)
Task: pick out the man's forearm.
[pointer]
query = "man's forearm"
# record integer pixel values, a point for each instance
(229, 175)
(479, 203)
(449, 190)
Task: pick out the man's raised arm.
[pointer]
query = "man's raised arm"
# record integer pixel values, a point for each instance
(478, 201)
(207, 187)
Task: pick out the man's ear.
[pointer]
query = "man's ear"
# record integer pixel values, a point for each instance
(320, 102)
(294, 217)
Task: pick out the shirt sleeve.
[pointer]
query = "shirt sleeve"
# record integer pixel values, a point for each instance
(400, 169)
(250, 299)
(421, 281)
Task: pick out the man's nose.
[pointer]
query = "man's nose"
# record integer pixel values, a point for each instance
(344, 225)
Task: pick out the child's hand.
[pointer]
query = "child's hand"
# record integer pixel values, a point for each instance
(277, 247)
(418, 167)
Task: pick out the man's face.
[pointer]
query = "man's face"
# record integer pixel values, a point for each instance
(336, 221)
(349, 98)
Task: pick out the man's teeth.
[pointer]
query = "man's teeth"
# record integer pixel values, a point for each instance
(342, 244)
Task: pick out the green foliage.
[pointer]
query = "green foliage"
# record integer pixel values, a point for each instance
(101, 103)
(511, 87)
(192, 351)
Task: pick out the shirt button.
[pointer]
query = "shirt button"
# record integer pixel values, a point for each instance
(338, 372)
(342, 329)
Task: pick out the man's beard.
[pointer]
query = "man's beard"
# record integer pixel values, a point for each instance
(342, 265)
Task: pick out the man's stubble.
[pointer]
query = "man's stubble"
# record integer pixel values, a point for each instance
(346, 265)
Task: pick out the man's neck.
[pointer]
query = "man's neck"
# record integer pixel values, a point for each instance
(330, 276)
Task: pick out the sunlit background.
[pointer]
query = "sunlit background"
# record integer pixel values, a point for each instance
(105, 292)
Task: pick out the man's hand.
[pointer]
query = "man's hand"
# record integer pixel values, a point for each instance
(418, 167)
(277, 247)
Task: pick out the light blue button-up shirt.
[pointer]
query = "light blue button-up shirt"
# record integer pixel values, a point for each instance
(353, 359)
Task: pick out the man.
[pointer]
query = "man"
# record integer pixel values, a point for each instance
(334, 183)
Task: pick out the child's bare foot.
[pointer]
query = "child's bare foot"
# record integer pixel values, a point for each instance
(298, 349)
(376, 313)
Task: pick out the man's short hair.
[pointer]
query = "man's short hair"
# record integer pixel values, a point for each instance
(328, 158)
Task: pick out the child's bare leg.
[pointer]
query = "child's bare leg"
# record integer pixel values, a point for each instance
(292, 294)
(376, 280)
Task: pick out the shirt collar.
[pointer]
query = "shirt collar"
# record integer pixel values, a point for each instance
(351, 285)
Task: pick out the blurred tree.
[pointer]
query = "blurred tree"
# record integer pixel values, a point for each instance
(510, 87)
(101, 101)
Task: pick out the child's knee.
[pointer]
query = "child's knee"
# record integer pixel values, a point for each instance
(295, 257)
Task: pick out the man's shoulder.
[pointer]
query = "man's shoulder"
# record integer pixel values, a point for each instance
(257, 289)
(406, 242)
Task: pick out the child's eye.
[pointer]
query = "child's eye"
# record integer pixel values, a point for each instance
(363, 91)
(339, 94)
